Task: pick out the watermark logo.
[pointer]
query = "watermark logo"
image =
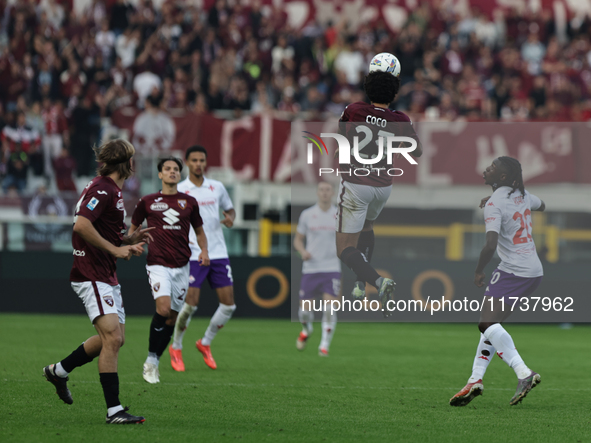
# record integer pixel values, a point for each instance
(317, 141)
(360, 163)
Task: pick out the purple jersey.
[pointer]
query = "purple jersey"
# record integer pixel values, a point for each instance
(172, 216)
(101, 203)
(397, 123)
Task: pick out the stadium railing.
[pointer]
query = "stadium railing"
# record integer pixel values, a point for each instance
(453, 234)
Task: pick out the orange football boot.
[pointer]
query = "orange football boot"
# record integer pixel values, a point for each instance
(467, 394)
(176, 359)
(207, 357)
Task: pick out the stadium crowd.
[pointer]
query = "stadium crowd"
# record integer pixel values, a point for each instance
(61, 73)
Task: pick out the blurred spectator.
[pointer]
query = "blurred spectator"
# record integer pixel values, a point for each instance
(84, 130)
(126, 45)
(56, 128)
(17, 165)
(120, 14)
(351, 62)
(282, 56)
(533, 52)
(105, 41)
(64, 166)
(153, 129)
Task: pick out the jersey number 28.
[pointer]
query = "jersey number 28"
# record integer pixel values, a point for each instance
(526, 225)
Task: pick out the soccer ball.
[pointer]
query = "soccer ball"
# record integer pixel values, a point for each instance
(385, 62)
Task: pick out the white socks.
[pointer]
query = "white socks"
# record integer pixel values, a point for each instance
(306, 319)
(114, 410)
(60, 371)
(505, 347)
(219, 319)
(153, 358)
(484, 354)
(182, 322)
(329, 323)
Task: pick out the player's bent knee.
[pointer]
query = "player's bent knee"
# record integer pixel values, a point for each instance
(483, 326)
(164, 311)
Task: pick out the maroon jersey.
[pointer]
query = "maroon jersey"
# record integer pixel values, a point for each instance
(101, 203)
(172, 216)
(379, 122)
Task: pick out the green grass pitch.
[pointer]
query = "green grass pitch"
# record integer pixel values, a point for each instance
(382, 382)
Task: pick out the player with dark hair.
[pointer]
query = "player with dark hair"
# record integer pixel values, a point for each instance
(172, 214)
(211, 195)
(507, 214)
(97, 239)
(362, 198)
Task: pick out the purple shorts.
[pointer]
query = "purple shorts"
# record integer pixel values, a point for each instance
(320, 283)
(218, 274)
(503, 285)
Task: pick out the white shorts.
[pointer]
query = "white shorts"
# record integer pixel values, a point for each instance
(357, 203)
(171, 282)
(100, 298)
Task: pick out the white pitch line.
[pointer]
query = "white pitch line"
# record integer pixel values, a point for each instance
(252, 385)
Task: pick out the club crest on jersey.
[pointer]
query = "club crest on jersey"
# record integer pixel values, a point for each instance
(182, 203)
(156, 287)
(120, 205)
(108, 300)
(158, 206)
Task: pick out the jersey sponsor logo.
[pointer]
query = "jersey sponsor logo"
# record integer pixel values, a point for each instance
(92, 203)
(78, 253)
(120, 205)
(182, 203)
(158, 206)
(156, 287)
(171, 216)
(489, 219)
(102, 192)
(108, 300)
(206, 202)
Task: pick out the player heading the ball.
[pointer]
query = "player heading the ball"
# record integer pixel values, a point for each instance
(361, 198)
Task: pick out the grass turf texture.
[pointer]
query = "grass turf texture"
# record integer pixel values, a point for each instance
(382, 382)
